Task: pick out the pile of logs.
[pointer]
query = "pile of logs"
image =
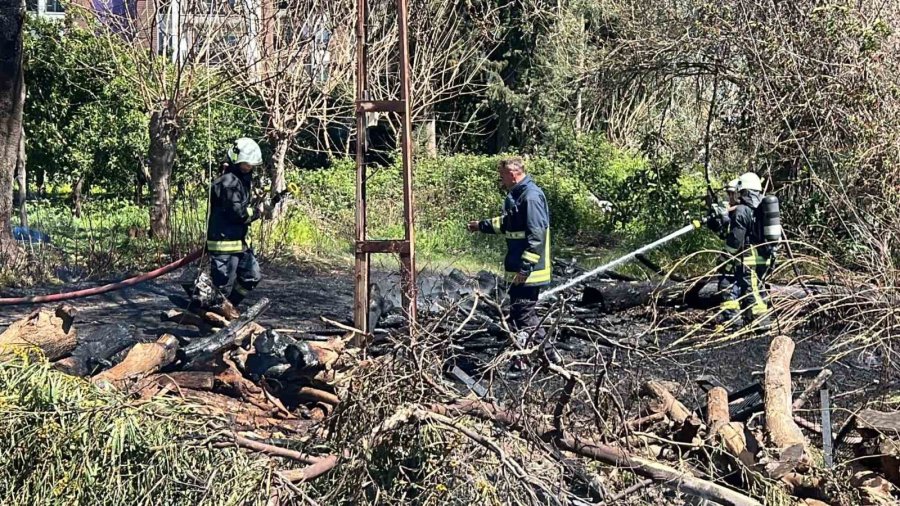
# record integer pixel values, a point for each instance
(262, 380)
(772, 452)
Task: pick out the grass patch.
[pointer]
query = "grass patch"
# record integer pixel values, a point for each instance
(66, 442)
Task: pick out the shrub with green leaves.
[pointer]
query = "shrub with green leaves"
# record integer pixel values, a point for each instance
(66, 442)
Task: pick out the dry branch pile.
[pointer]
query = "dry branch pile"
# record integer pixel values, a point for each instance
(435, 419)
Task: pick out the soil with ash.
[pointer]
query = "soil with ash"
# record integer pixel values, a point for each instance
(300, 298)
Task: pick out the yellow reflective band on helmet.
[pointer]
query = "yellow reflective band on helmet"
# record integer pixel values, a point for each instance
(731, 304)
(531, 257)
(515, 235)
(496, 224)
(696, 223)
(225, 246)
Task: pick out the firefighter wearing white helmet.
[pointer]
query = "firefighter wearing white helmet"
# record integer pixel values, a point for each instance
(233, 266)
(750, 259)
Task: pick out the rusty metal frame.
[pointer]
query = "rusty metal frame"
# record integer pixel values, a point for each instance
(405, 247)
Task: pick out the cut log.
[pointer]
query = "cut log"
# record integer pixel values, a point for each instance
(143, 359)
(214, 319)
(870, 423)
(730, 434)
(662, 401)
(244, 414)
(890, 460)
(208, 347)
(782, 429)
(195, 380)
(51, 332)
(874, 489)
(717, 413)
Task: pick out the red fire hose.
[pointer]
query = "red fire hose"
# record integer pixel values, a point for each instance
(56, 297)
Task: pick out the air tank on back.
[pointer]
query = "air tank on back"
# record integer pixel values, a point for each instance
(771, 219)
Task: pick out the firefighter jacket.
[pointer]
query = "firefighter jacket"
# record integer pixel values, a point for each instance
(230, 213)
(745, 232)
(525, 223)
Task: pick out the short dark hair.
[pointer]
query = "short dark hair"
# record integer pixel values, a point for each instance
(512, 163)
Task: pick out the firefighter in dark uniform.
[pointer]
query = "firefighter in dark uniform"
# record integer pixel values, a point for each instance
(233, 266)
(729, 292)
(525, 223)
(751, 256)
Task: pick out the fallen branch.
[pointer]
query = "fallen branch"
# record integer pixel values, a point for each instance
(310, 472)
(203, 349)
(814, 386)
(668, 476)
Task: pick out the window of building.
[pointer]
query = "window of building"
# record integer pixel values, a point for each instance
(55, 6)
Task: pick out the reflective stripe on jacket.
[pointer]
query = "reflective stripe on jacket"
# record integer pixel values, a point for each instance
(526, 224)
(230, 213)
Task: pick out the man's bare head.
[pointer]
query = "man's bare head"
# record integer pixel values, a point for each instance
(512, 171)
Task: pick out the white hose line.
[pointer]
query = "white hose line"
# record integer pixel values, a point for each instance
(643, 249)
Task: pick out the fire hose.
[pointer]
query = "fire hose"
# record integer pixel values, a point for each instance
(56, 297)
(622, 259)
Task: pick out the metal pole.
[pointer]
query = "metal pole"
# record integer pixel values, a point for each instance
(622, 259)
(827, 442)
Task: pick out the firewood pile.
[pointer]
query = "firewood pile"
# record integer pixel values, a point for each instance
(568, 433)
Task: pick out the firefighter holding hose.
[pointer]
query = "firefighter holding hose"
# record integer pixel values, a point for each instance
(525, 223)
(754, 229)
(233, 266)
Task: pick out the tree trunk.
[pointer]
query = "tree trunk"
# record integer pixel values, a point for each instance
(76, 196)
(428, 137)
(163, 142)
(12, 101)
(22, 182)
(279, 183)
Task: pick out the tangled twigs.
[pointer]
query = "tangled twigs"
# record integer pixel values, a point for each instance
(666, 475)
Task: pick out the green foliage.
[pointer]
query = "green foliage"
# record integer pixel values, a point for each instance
(208, 133)
(647, 201)
(82, 118)
(70, 443)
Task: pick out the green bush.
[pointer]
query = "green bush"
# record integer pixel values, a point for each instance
(647, 201)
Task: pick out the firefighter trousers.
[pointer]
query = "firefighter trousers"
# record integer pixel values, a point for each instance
(234, 274)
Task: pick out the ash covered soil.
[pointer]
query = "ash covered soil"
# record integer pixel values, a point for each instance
(302, 296)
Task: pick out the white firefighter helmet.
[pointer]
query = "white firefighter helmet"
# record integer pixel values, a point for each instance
(732, 185)
(245, 150)
(749, 181)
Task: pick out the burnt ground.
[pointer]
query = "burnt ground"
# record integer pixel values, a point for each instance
(300, 297)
